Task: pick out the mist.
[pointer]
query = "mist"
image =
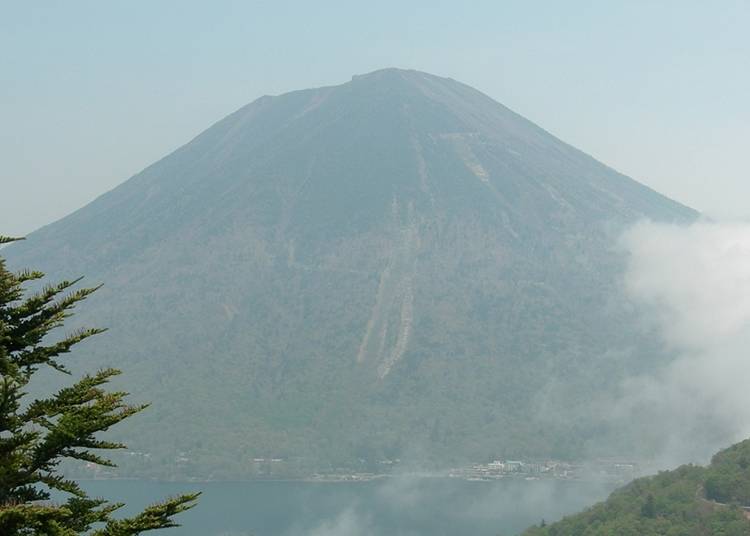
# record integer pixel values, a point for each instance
(397, 506)
(409, 506)
(691, 285)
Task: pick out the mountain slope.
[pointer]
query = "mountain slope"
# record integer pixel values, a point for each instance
(689, 501)
(393, 267)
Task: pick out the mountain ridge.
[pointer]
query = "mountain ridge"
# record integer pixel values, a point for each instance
(390, 71)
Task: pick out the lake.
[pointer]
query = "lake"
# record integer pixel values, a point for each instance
(400, 506)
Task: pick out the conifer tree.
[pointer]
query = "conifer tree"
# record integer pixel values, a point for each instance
(36, 435)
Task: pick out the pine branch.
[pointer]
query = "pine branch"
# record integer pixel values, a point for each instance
(39, 315)
(34, 519)
(62, 484)
(35, 437)
(39, 355)
(157, 516)
(28, 275)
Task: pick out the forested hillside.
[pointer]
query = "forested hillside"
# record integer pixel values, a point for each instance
(689, 501)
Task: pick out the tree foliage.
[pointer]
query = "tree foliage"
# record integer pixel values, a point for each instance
(689, 501)
(37, 435)
(728, 476)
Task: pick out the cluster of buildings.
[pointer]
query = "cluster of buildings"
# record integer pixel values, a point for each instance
(599, 470)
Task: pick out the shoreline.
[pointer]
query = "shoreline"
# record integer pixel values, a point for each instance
(357, 480)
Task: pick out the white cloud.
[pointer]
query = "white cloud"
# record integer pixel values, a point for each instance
(348, 522)
(694, 286)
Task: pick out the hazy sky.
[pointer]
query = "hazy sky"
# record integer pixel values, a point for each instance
(92, 92)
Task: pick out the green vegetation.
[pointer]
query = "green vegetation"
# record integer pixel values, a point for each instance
(689, 501)
(36, 435)
(728, 477)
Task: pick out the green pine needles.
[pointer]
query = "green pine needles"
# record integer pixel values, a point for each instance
(35, 436)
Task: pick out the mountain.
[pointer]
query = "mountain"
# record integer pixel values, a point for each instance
(394, 267)
(689, 501)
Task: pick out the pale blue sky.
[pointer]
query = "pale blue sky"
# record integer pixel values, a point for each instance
(92, 92)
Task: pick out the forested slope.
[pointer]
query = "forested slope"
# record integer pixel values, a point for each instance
(689, 501)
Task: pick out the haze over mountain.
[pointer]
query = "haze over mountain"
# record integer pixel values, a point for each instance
(395, 267)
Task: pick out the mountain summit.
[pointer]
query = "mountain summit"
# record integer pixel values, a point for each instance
(393, 267)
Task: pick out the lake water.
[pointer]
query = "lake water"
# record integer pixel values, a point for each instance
(403, 506)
